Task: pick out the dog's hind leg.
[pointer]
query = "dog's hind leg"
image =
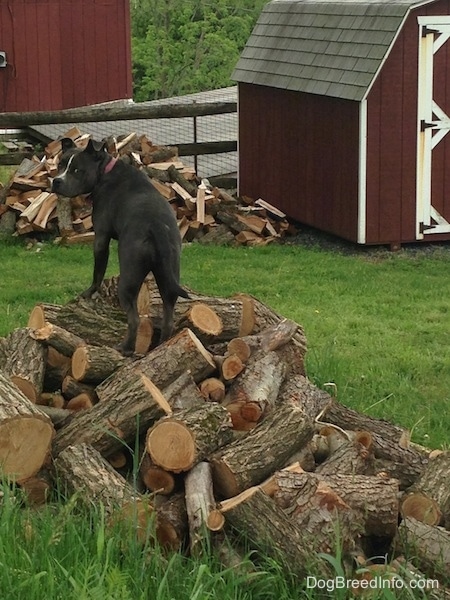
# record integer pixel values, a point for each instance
(128, 290)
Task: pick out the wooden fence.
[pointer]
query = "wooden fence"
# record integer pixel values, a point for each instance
(129, 112)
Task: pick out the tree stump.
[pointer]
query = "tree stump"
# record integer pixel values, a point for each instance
(248, 461)
(177, 443)
(25, 433)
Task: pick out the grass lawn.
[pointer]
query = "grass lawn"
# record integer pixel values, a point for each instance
(378, 330)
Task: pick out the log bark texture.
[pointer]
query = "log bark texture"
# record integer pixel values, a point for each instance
(435, 483)
(26, 362)
(248, 461)
(25, 433)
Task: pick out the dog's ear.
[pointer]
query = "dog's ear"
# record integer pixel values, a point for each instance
(67, 144)
(94, 147)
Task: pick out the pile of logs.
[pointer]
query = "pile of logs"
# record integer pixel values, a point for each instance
(218, 433)
(204, 212)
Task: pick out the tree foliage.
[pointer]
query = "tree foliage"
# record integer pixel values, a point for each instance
(185, 46)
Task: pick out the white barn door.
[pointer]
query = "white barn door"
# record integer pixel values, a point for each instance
(432, 126)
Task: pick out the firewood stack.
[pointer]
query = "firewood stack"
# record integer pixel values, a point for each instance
(204, 212)
(229, 435)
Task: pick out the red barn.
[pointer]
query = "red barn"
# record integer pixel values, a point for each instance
(58, 54)
(344, 107)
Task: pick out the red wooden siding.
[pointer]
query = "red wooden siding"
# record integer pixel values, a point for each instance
(63, 54)
(392, 138)
(300, 152)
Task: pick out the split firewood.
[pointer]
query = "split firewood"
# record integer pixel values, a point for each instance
(256, 390)
(26, 433)
(201, 506)
(248, 461)
(58, 338)
(422, 508)
(427, 546)
(93, 364)
(354, 457)
(373, 500)
(435, 483)
(272, 532)
(155, 478)
(129, 405)
(26, 361)
(179, 442)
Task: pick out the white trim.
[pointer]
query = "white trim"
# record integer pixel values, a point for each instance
(362, 173)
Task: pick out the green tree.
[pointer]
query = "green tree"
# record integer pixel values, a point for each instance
(185, 46)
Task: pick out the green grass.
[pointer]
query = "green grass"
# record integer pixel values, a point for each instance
(377, 326)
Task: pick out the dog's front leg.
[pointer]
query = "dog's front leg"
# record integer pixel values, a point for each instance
(101, 256)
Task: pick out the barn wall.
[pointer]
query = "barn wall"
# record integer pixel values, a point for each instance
(300, 153)
(392, 138)
(63, 54)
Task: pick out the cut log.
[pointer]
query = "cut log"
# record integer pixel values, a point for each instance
(426, 546)
(422, 508)
(172, 523)
(81, 402)
(435, 483)
(26, 362)
(230, 367)
(256, 390)
(319, 512)
(183, 352)
(144, 335)
(202, 320)
(58, 416)
(64, 216)
(250, 460)
(56, 369)
(373, 500)
(95, 321)
(201, 506)
(299, 390)
(37, 489)
(271, 531)
(354, 457)
(213, 389)
(71, 388)
(155, 478)
(25, 433)
(179, 442)
(93, 364)
(58, 338)
(127, 409)
(42, 314)
(183, 393)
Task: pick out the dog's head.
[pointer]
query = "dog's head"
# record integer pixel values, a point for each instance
(79, 170)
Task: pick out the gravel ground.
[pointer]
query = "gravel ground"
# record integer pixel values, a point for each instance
(313, 238)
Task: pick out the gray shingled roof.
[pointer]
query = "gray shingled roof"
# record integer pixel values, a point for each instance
(332, 48)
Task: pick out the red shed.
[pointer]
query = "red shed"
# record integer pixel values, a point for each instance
(57, 54)
(343, 114)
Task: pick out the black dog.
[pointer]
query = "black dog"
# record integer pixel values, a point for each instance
(126, 207)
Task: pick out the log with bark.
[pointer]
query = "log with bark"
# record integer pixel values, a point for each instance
(435, 483)
(25, 433)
